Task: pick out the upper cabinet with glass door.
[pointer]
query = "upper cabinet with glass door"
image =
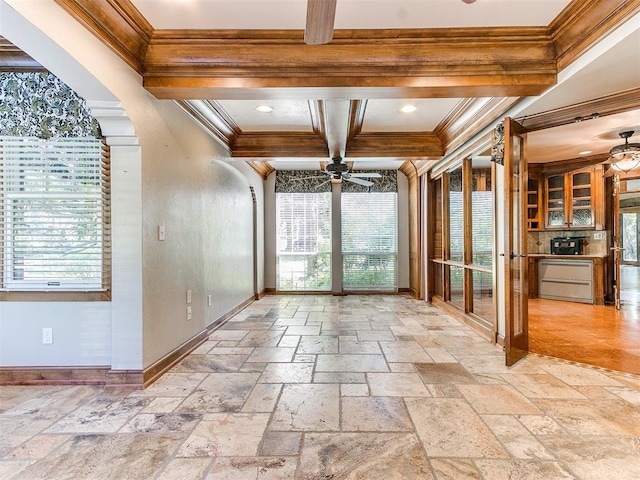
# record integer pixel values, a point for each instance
(573, 200)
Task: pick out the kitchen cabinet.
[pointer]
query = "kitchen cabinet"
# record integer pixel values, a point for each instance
(573, 200)
(573, 278)
(534, 202)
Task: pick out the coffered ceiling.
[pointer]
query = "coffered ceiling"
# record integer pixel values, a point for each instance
(459, 65)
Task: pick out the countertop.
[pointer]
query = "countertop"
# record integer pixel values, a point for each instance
(572, 257)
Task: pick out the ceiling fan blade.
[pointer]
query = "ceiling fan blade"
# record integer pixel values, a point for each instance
(359, 181)
(321, 15)
(365, 175)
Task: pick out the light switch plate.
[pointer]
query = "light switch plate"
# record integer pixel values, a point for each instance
(188, 296)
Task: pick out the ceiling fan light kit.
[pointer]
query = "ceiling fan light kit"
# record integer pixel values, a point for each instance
(625, 157)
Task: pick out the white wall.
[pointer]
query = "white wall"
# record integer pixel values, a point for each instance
(164, 170)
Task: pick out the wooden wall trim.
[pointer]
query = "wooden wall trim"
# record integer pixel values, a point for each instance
(261, 168)
(12, 59)
(599, 107)
(468, 117)
(358, 108)
(316, 109)
(401, 145)
(498, 61)
(75, 375)
(117, 23)
(584, 22)
(212, 119)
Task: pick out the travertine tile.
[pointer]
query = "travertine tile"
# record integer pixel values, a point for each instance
(263, 398)
(397, 385)
(435, 402)
(448, 427)
(455, 469)
(374, 414)
(408, 351)
(272, 354)
(497, 399)
(220, 392)
(307, 407)
(351, 363)
(363, 456)
(595, 458)
(287, 373)
(185, 468)
(515, 437)
(270, 468)
(529, 469)
(226, 435)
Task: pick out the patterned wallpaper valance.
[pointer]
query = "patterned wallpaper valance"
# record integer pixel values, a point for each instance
(387, 183)
(41, 105)
(497, 144)
(310, 181)
(302, 181)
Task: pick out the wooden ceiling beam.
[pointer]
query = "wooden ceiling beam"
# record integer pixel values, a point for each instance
(279, 145)
(404, 146)
(457, 62)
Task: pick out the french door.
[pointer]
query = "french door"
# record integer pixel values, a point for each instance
(515, 242)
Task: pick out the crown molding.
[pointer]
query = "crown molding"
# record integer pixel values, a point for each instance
(212, 119)
(583, 22)
(117, 23)
(12, 59)
(599, 107)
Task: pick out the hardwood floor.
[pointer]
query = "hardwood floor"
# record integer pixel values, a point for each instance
(591, 334)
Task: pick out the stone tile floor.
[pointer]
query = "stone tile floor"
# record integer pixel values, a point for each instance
(323, 387)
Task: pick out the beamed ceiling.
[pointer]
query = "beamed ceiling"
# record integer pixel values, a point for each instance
(461, 65)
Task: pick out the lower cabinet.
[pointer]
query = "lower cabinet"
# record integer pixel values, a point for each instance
(570, 280)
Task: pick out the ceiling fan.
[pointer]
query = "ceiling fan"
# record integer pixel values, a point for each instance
(321, 15)
(340, 171)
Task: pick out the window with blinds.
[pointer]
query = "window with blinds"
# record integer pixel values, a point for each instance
(54, 214)
(303, 241)
(370, 241)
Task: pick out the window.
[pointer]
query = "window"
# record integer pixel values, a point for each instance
(54, 214)
(369, 240)
(304, 241)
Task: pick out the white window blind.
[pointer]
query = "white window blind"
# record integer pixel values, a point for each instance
(54, 214)
(369, 241)
(304, 241)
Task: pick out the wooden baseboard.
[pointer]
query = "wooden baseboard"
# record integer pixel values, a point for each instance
(104, 375)
(75, 375)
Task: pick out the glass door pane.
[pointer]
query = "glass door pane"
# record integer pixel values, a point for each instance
(456, 216)
(629, 236)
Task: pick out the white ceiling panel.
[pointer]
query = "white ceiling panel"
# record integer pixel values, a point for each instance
(385, 115)
(287, 115)
(359, 14)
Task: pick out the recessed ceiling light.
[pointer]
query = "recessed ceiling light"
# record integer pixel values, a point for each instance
(264, 108)
(586, 152)
(408, 109)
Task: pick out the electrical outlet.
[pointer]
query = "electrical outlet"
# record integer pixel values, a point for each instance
(47, 336)
(209, 300)
(598, 235)
(189, 312)
(161, 233)
(188, 296)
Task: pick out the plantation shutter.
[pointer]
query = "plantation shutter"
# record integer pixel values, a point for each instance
(54, 214)
(369, 240)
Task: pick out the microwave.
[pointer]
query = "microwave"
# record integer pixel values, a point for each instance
(567, 245)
